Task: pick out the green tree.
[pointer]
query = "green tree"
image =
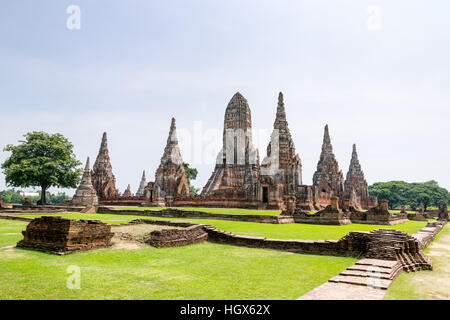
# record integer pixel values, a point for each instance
(400, 193)
(191, 174)
(42, 160)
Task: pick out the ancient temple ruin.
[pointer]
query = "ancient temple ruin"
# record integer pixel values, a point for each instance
(356, 187)
(63, 236)
(142, 185)
(281, 169)
(103, 178)
(127, 192)
(170, 178)
(237, 164)
(85, 194)
(238, 179)
(328, 178)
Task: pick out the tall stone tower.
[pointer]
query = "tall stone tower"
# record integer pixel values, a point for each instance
(142, 185)
(281, 162)
(328, 177)
(357, 184)
(102, 176)
(170, 175)
(237, 163)
(85, 194)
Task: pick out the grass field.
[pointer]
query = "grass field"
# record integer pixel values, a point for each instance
(277, 231)
(427, 284)
(211, 210)
(202, 271)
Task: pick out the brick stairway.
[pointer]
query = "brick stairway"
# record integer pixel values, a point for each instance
(367, 279)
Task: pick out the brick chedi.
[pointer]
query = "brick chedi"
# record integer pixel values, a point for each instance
(237, 164)
(281, 169)
(170, 178)
(328, 178)
(356, 187)
(142, 184)
(127, 192)
(85, 194)
(103, 178)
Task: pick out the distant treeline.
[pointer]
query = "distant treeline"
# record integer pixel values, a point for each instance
(401, 193)
(14, 196)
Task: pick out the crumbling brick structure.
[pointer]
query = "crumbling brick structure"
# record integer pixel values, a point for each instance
(328, 178)
(103, 178)
(332, 214)
(237, 164)
(85, 194)
(281, 169)
(170, 178)
(238, 179)
(356, 187)
(379, 215)
(177, 237)
(443, 212)
(63, 236)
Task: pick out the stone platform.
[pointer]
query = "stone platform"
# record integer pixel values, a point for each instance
(63, 236)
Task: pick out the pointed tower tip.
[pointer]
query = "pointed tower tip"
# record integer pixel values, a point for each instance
(104, 139)
(87, 167)
(354, 147)
(327, 132)
(172, 124)
(280, 97)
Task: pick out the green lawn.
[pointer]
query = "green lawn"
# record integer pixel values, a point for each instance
(427, 285)
(210, 210)
(278, 231)
(202, 271)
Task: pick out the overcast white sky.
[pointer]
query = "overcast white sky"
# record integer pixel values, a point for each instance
(380, 81)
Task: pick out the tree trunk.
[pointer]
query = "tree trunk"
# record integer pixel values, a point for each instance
(43, 195)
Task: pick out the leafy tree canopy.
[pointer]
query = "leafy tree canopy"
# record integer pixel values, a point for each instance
(400, 193)
(42, 160)
(191, 174)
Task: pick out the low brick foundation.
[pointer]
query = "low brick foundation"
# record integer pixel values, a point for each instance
(178, 237)
(63, 236)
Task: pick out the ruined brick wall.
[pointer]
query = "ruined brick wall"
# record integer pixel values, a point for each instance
(177, 237)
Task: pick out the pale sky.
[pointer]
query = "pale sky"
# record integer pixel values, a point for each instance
(378, 72)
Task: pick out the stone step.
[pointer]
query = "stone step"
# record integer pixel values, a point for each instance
(362, 281)
(378, 263)
(365, 274)
(370, 269)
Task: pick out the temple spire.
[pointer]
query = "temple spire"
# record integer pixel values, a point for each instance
(102, 176)
(142, 185)
(172, 150)
(326, 145)
(354, 153)
(85, 193)
(86, 179)
(281, 113)
(87, 167)
(355, 166)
